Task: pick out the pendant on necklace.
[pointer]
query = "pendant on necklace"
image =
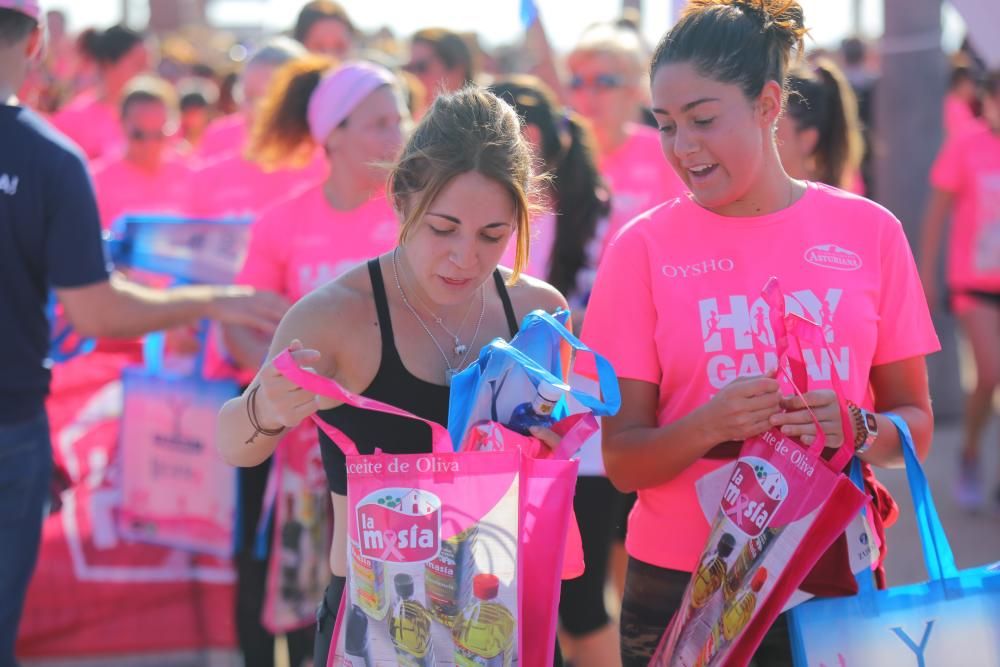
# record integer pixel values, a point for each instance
(449, 375)
(459, 347)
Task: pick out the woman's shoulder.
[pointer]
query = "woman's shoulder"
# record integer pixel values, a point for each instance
(660, 221)
(832, 199)
(528, 294)
(324, 317)
(858, 216)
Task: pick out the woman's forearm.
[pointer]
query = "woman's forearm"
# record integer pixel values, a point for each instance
(642, 457)
(236, 439)
(887, 451)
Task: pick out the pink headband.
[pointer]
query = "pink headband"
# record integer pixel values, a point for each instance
(340, 92)
(27, 7)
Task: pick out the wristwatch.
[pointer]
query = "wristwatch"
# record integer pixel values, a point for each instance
(865, 428)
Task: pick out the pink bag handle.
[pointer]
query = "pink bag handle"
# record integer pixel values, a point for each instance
(789, 327)
(317, 384)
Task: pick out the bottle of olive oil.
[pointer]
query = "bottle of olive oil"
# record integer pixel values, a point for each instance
(485, 632)
(410, 627)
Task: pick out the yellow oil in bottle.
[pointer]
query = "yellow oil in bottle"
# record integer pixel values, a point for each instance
(448, 578)
(711, 575)
(410, 627)
(485, 632)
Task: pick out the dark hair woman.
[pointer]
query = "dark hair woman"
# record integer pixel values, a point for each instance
(677, 308)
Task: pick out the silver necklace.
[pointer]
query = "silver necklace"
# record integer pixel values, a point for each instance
(450, 371)
(460, 348)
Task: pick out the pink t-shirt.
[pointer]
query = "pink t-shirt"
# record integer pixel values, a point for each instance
(638, 176)
(223, 136)
(235, 186)
(958, 119)
(123, 188)
(969, 168)
(94, 125)
(677, 303)
(302, 243)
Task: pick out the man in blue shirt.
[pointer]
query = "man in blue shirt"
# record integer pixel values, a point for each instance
(50, 238)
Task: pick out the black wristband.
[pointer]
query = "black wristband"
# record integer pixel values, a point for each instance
(254, 421)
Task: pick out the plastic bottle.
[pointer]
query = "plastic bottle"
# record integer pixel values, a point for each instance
(448, 578)
(356, 648)
(712, 573)
(737, 615)
(368, 584)
(751, 554)
(538, 412)
(484, 633)
(734, 618)
(410, 627)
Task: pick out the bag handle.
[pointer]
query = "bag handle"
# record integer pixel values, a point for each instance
(938, 557)
(317, 384)
(793, 327)
(610, 400)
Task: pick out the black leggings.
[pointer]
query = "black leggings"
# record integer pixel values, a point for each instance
(653, 594)
(601, 511)
(326, 619)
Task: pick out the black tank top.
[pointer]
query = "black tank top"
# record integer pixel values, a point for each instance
(395, 385)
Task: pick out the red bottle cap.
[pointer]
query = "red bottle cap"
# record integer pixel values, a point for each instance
(485, 586)
(758, 580)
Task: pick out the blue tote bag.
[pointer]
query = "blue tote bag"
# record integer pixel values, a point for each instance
(952, 619)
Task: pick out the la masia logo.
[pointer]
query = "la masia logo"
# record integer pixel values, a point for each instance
(831, 256)
(754, 493)
(399, 525)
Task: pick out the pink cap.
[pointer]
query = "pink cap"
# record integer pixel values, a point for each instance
(340, 92)
(27, 7)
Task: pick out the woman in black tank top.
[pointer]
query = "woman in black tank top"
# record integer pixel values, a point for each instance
(398, 328)
(395, 385)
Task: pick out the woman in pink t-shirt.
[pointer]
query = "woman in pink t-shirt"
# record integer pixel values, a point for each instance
(148, 177)
(819, 135)
(959, 110)
(677, 310)
(91, 120)
(605, 86)
(355, 113)
(966, 182)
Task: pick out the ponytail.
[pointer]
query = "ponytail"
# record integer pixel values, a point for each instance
(567, 150)
(280, 135)
(821, 98)
(582, 201)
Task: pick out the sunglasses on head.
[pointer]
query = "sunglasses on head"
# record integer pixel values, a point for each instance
(137, 134)
(599, 82)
